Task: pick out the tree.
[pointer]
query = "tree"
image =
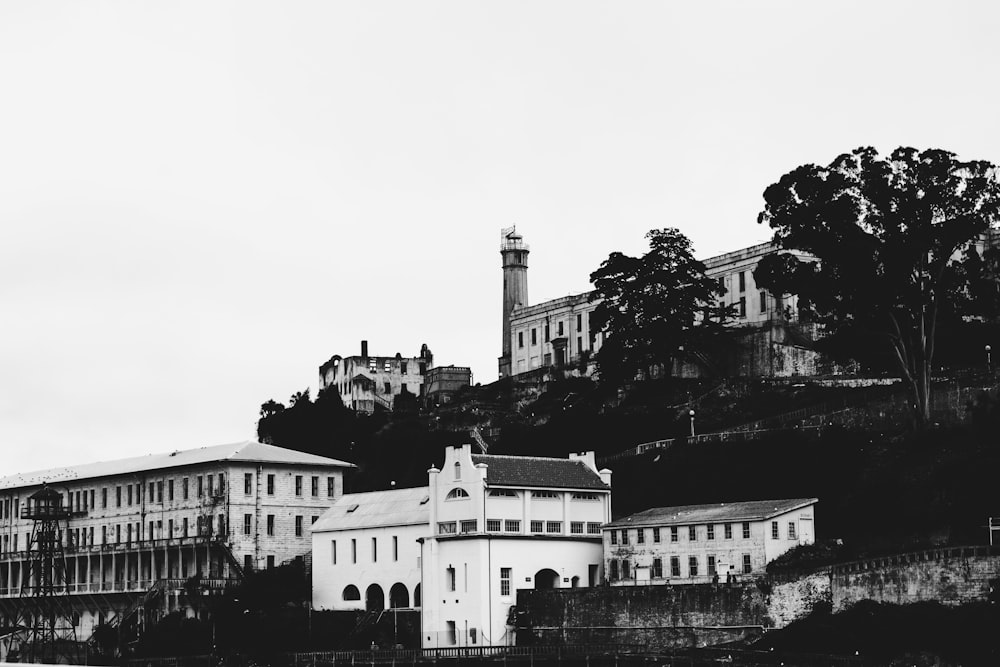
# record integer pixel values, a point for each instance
(895, 241)
(653, 307)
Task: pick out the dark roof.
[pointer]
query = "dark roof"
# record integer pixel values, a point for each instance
(537, 471)
(748, 510)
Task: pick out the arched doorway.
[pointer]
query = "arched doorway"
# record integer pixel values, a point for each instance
(399, 597)
(575, 582)
(374, 598)
(546, 579)
(416, 596)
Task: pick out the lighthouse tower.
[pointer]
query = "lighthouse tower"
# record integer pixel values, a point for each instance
(515, 286)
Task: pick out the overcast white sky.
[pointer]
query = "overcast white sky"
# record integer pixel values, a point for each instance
(200, 202)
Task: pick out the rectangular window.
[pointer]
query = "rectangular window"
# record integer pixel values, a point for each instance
(159, 492)
(298, 485)
(624, 535)
(743, 281)
(395, 548)
(270, 562)
(579, 322)
(505, 581)
(512, 525)
(537, 526)
(534, 337)
(104, 498)
(170, 490)
(184, 527)
(450, 578)
(656, 536)
(402, 368)
(710, 564)
(247, 482)
(791, 530)
(673, 534)
(626, 570)
(247, 563)
(576, 527)
(270, 485)
(747, 567)
(129, 494)
(657, 572)
(331, 487)
(763, 301)
(553, 526)
(470, 526)
(447, 527)
(298, 526)
(743, 306)
(354, 550)
(184, 488)
(640, 536)
(710, 531)
(547, 339)
(544, 494)
(579, 343)
(493, 525)
(728, 531)
(247, 523)
(270, 525)
(200, 486)
(692, 566)
(559, 328)
(520, 339)
(593, 528)
(314, 486)
(333, 552)
(614, 536)
(746, 530)
(374, 549)
(613, 574)
(774, 530)
(118, 533)
(104, 536)
(692, 533)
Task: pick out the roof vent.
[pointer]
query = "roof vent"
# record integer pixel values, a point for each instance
(425, 499)
(352, 508)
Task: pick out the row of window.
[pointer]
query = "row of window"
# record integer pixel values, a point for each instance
(373, 553)
(331, 485)
(270, 521)
(559, 331)
(460, 493)
(624, 569)
(692, 533)
(126, 533)
(514, 526)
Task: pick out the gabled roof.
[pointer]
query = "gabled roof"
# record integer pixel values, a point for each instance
(537, 471)
(748, 510)
(398, 507)
(249, 451)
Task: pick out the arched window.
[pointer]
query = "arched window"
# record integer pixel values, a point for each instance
(458, 470)
(416, 596)
(399, 597)
(352, 593)
(457, 493)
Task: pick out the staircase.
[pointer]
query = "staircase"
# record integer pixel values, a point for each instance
(382, 401)
(478, 437)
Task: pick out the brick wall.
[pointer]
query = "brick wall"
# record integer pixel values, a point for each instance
(951, 576)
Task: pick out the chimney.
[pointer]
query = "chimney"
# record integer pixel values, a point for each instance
(364, 348)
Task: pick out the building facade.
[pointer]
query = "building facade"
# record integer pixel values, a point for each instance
(368, 382)
(443, 382)
(151, 522)
(704, 543)
(767, 338)
(461, 547)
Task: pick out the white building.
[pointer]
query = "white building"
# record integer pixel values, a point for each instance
(366, 550)
(697, 543)
(485, 526)
(152, 521)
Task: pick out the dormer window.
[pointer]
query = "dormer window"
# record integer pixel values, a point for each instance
(457, 494)
(458, 470)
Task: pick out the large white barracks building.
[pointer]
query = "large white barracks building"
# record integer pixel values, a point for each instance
(460, 548)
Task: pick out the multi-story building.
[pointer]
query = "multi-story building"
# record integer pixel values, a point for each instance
(151, 522)
(560, 333)
(486, 526)
(704, 543)
(366, 382)
(443, 382)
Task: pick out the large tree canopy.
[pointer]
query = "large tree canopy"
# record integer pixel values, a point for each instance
(653, 306)
(896, 238)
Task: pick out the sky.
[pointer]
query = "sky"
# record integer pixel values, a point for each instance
(201, 202)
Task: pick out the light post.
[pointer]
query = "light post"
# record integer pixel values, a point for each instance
(989, 360)
(691, 414)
